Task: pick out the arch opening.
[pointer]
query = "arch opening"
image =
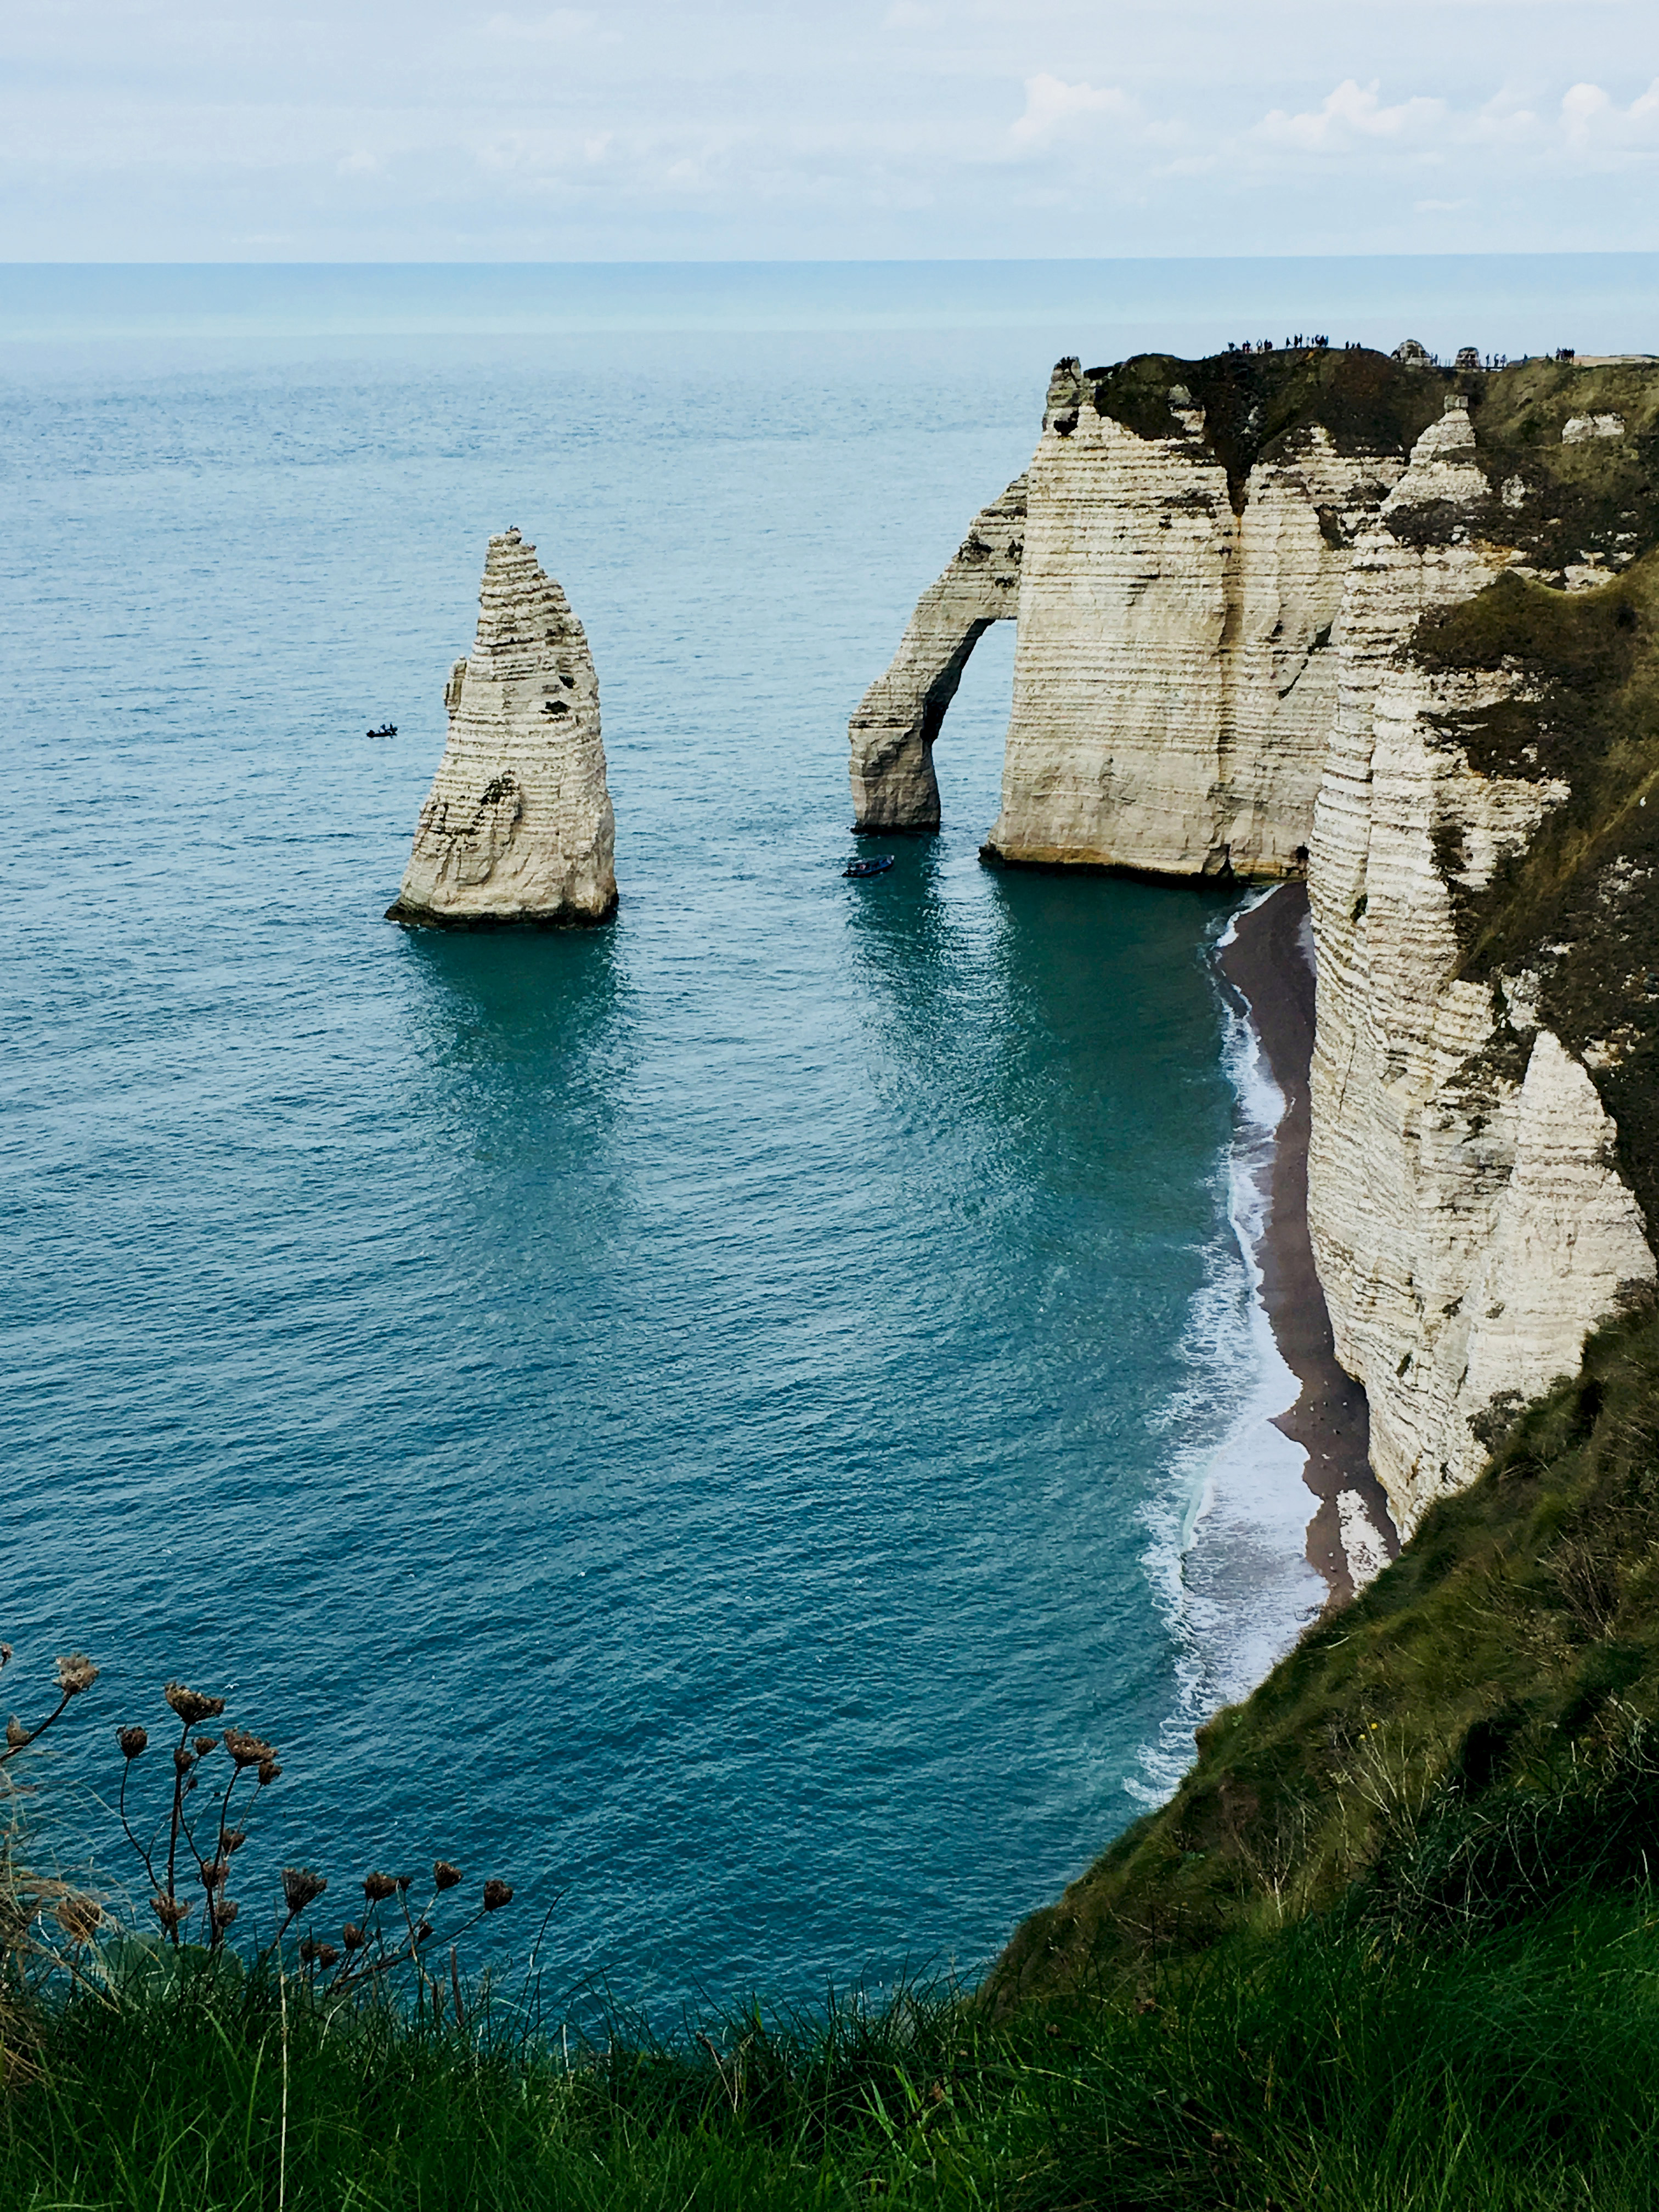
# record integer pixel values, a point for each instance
(893, 732)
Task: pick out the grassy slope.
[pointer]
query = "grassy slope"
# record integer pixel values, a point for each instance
(1327, 2071)
(1495, 1678)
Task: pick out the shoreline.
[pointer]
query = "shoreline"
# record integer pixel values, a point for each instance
(1267, 967)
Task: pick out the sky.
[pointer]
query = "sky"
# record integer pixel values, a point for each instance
(712, 129)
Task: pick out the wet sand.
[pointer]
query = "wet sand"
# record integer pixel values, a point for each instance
(1269, 970)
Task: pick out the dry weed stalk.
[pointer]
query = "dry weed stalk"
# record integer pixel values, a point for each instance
(192, 1845)
(368, 1951)
(45, 1923)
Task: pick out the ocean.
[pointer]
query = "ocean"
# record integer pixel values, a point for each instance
(751, 1424)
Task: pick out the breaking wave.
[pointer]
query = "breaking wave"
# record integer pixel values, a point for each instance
(1227, 1557)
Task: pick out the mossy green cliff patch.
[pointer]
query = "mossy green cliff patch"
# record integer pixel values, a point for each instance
(1576, 912)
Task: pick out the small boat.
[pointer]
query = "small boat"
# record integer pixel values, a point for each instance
(386, 730)
(868, 868)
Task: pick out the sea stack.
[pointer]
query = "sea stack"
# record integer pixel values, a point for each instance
(518, 826)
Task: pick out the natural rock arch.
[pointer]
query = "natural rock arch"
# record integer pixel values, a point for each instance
(892, 733)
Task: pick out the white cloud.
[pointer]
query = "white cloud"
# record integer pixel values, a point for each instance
(1051, 103)
(1353, 115)
(172, 129)
(1591, 118)
(1589, 132)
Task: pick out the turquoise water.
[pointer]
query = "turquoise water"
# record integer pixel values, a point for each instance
(747, 1423)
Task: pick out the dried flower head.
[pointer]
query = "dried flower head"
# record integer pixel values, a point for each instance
(423, 1933)
(309, 1949)
(353, 1937)
(17, 1735)
(215, 1872)
(183, 1761)
(79, 1918)
(327, 1956)
(191, 1707)
(167, 1912)
(300, 1887)
(234, 1839)
(248, 1750)
(226, 1910)
(444, 1875)
(496, 1894)
(134, 1741)
(75, 1673)
(269, 1771)
(191, 1784)
(377, 1887)
(406, 1882)
(205, 1744)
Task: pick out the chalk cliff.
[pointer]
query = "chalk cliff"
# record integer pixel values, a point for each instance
(1187, 531)
(1174, 676)
(1472, 1208)
(1397, 629)
(518, 825)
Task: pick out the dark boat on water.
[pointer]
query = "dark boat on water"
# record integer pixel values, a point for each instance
(868, 868)
(386, 730)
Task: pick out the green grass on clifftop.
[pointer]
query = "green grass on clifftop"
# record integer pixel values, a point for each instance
(1253, 401)
(1330, 2071)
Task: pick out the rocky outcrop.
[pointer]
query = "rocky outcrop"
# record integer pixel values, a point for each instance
(1187, 530)
(518, 826)
(1470, 1221)
(894, 786)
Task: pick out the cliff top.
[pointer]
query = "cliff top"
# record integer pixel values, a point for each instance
(1561, 412)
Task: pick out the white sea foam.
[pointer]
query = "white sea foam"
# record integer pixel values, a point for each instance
(1363, 1541)
(1228, 1556)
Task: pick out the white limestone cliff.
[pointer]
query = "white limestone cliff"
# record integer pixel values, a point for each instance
(893, 729)
(518, 826)
(1470, 1226)
(1223, 675)
(1173, 676)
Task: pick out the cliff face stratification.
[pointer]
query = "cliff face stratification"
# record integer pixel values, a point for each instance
(1397, 630)
(894, 786)
(1474, 1211)
(1187, 531)
(518, 826)
(1174, 675)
